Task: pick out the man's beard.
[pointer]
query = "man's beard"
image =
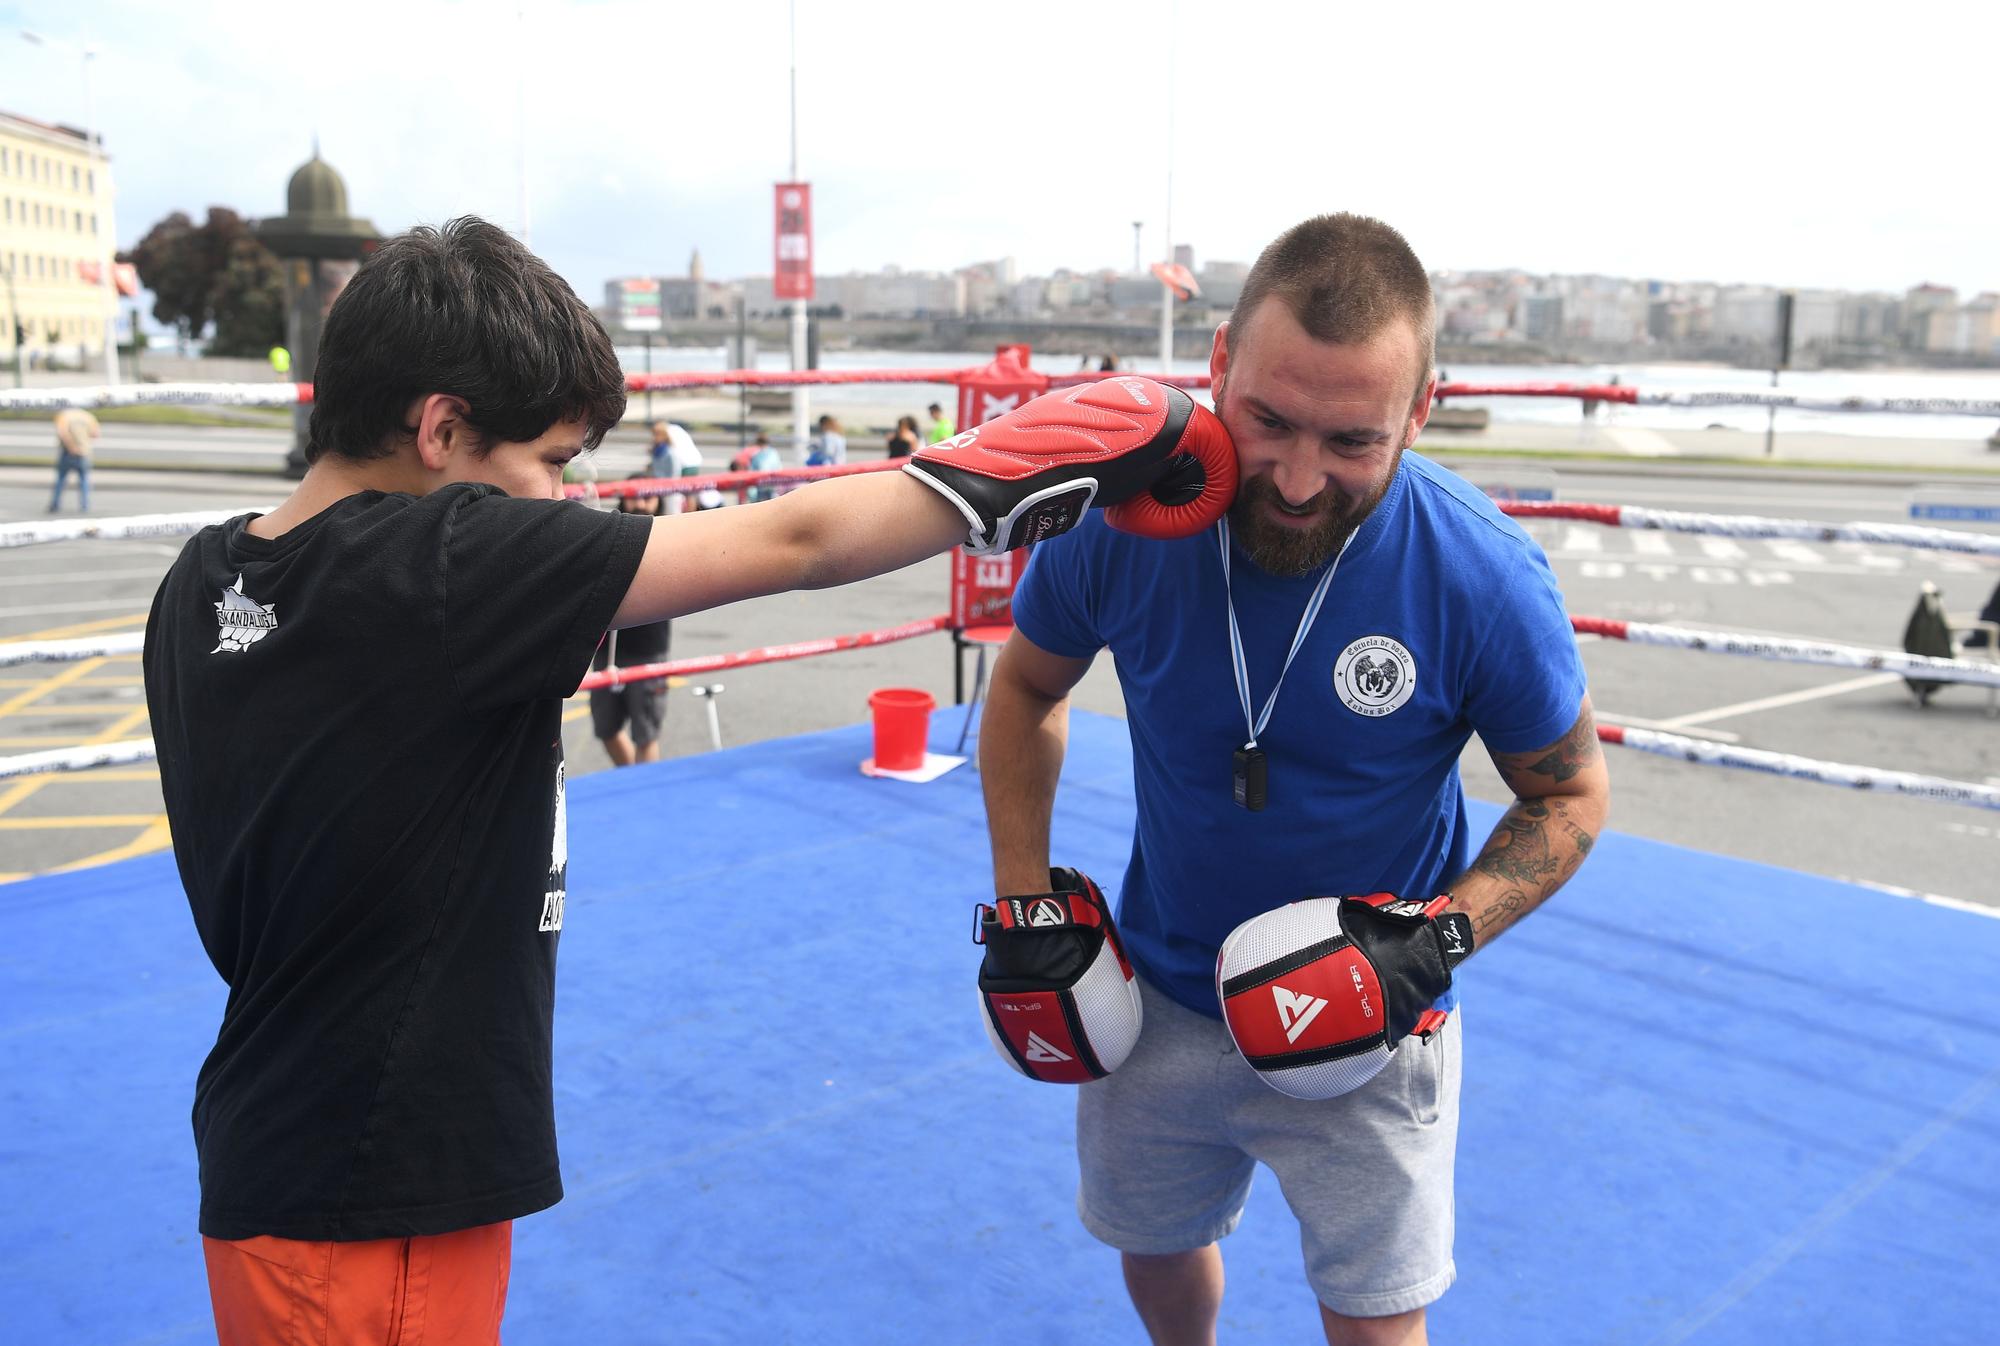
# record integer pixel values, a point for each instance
(1287, 551)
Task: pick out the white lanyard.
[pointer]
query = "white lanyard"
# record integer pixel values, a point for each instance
(1256, 726)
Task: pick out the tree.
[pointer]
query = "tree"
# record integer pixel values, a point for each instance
(249, 301)
(170, 265)
(216, 273)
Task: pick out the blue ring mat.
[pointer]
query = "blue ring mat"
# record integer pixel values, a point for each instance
(1705, 1100)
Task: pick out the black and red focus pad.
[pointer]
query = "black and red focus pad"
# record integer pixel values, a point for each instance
(1056, 991)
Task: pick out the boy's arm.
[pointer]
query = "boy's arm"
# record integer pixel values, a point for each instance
(829, 533)
(1163, 463)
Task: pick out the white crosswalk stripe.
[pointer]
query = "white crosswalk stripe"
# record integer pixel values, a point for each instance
(1589, 543)
(1797, 553)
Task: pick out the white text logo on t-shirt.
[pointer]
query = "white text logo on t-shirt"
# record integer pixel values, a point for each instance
(1374, 675)
(557, 888)
(244, 621)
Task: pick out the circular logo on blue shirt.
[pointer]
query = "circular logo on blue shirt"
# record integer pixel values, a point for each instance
(1374, 676)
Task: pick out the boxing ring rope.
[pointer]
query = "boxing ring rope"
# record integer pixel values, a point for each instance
(1802, 768)
(295, 394)
(764, 654)
(136, 525)
(1786, 649)
(69, 651)
(1614, 516)
(141, 750)
(1729, 397)
(1769, 647)
(78, 759)
(1782, 649)
(1751, 525)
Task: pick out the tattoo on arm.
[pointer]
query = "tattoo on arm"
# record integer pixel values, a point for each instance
(1525, 854)
(1519, 849)
(1502, 911)
(1544, 836)
(1572, 754)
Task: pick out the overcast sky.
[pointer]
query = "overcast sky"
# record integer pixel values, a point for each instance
(1788, 144)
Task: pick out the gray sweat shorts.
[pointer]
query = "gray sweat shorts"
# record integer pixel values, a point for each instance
(1168, 1142)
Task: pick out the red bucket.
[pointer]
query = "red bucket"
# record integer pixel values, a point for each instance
(902, 726)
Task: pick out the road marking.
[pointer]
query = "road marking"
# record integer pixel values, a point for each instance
(81, 577)
(79, 820)
(1787, 699)
(49, 684)
(1580, 539)
(98, 606)
(1722, 549)
(91, 627)
(1935, 899)
(94, 682)
(1798, 553)
(1642, 443)
(156, 837)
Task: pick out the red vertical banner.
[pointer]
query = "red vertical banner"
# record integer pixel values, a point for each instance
(982, 587)
(792, 266)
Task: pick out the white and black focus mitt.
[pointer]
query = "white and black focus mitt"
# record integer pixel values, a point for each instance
(1056, 992)
(1319, 993)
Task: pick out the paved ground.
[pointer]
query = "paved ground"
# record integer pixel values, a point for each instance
(1850, 593)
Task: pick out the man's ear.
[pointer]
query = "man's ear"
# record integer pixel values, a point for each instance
(1218, 355)
(1420, 410)
(441, 430)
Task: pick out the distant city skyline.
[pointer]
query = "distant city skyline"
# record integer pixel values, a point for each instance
(1496, 309)
(1693, 140)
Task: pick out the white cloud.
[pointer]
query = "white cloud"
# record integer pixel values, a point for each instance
(1686, 141)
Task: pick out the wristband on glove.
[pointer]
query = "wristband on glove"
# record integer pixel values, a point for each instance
(1056, 992)
(1318, 994)
(1164, 465)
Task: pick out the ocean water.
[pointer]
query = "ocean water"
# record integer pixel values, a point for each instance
(1543, 411)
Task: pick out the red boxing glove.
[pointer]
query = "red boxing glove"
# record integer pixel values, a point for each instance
(1164, 464)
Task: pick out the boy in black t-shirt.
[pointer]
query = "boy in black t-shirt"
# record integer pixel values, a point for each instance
(357, 704)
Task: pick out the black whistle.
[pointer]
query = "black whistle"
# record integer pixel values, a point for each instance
(1252, 776)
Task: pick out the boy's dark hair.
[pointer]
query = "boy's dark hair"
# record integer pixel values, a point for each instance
(1345, 278)
(465, 310)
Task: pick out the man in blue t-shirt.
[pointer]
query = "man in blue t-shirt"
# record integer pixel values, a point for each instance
(1359, 615)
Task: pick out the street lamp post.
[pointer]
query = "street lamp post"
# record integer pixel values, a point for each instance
(100, 213)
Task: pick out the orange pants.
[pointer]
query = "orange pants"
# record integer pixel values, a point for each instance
(440, 1290)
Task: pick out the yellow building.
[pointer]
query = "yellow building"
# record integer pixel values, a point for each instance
(50, 242)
